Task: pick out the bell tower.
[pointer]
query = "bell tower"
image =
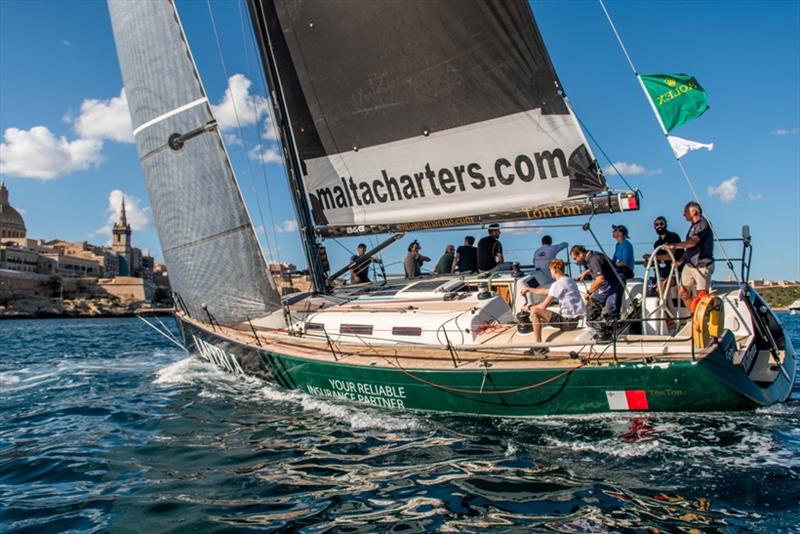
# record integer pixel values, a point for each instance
(121, 243)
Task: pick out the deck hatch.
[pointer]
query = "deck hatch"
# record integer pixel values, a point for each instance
(426, 285)
(358, 329)
(406, 331)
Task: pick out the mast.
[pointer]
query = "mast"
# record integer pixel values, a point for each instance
(259, 17)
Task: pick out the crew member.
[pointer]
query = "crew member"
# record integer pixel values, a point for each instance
(698, 258)
(547, 253)
(360, 274)
(623, 252)
(605, 292)
(446, 262)
(414, 260)
(571, 306)
(466, 259)
(490, 250)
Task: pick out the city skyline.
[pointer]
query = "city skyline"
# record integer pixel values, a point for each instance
(68, 157)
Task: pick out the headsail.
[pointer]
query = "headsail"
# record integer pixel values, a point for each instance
(411, 114)
(209, 245)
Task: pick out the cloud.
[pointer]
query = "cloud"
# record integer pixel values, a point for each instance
(287, 226)
(754, 196)
(266, 155)
(270, 130)
(138, 216)
(37, 153)
(785, 131)
(105, 119)
(630, 169)
(65, 42)
(726, 191)
(231, 139)
(239, 104)
(519, 227)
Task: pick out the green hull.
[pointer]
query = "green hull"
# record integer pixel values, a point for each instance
(712, 384)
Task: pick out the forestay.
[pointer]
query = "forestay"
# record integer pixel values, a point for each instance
(209, 245)
(422, 114)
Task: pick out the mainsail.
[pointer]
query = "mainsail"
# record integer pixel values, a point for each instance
(412, 114)
(214, 260)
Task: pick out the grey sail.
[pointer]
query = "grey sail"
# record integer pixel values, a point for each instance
(209, 245)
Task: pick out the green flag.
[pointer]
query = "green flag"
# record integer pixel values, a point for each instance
(677, 98)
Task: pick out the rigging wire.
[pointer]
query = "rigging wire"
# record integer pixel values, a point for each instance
(728, 261)
(238, 124)
(603, 152)
(285, 166)
(270, 205)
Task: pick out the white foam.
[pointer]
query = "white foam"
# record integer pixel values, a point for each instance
(357, 416)
(511, 450)
(215, 383)
(179, 372)
(609, 447)
(8, 379)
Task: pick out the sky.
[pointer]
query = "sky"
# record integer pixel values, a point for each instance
(67, 153)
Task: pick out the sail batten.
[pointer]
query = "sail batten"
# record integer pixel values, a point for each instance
(406, 110)
(210, 247)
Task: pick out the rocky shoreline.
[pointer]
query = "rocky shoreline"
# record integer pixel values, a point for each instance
(52, 308)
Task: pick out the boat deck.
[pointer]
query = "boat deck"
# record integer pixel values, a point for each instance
(500, 348)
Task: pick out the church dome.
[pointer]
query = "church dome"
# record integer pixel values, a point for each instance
(11, 222)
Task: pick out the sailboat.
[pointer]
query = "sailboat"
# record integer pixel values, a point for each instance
(397, 116)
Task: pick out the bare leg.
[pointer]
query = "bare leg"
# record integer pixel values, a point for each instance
(686, 296)
(537, 315)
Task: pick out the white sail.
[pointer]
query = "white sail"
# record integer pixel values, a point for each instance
(214, 260)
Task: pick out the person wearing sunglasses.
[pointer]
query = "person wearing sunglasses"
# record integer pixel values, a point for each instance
(446, 262)
(665, 237)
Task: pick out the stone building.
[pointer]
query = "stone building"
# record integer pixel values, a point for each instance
(78, 259)
(121, 243)
(11, 223)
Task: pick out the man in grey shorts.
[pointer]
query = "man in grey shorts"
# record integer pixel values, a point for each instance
(698, 259)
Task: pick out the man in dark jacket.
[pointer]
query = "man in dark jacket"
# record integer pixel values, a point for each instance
(490, 250)
(466, 260)
(605, 292)
(665, 237)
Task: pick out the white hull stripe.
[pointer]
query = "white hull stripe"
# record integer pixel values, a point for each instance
(169, 114)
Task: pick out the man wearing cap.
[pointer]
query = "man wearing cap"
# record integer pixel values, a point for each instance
(490, 250)
(623, 253)
(604, 294)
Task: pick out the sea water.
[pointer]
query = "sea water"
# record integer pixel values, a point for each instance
(107, 426)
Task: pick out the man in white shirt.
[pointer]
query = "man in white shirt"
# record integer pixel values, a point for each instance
(571, 305)
(546, 253)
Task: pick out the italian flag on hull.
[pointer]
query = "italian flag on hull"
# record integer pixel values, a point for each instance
(629, 399)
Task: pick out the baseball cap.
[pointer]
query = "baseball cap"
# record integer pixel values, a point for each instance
(621, 228)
